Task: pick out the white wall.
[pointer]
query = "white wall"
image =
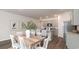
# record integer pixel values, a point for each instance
(5, 23)
(6, 19)
(61, 19)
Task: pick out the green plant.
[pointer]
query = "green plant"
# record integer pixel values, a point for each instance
(23, 25)
(30, 25)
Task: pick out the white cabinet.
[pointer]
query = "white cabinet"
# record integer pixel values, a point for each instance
(75, 17)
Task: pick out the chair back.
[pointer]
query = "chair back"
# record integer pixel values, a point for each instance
(44, 33)
(49, 36)
(38, 32)
(45, 44)
(13, 40)
(22, 43)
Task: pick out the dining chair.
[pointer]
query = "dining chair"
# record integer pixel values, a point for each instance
(15, 44)
(38, 33)
(44, 33)
(23, 45)
(49, 36)
(45, 44)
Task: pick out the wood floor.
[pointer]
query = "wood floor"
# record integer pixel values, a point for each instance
(57, 43)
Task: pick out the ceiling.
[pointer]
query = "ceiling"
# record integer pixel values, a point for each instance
(36, 13)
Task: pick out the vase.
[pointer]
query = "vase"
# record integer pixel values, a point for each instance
(27, 33)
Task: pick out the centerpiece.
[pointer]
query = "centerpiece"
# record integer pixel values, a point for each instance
(30, 27)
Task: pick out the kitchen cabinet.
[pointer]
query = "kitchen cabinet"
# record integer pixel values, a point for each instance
(75, 17)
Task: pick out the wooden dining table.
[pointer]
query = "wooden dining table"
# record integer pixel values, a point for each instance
(33, 42)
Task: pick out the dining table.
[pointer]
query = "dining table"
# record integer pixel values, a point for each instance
(33, 42)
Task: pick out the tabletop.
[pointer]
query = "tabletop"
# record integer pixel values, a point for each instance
(32, 41)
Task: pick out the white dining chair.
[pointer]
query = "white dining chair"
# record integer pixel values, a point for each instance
(49, 36)
(44, 33)
(38, 33)
(15, 45)
(45, 44)
(23, 45)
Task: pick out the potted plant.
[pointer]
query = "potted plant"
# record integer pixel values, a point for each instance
(30, 27)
